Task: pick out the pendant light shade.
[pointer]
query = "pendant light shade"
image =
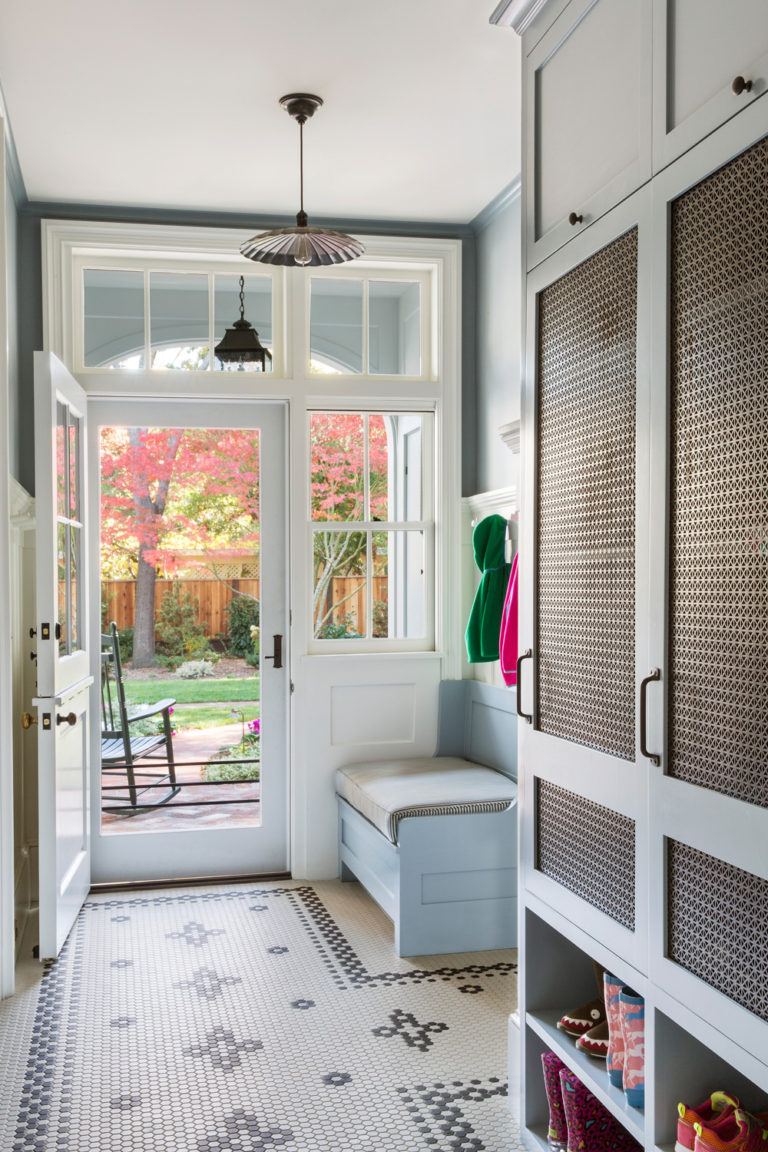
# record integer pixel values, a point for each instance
(301, 246)
(240, 344)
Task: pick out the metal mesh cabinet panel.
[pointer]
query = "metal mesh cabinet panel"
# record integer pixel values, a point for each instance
(588, 849)
(586, 502)
(716, 917)
(718, 691)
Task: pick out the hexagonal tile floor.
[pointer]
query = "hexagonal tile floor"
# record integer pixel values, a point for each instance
(252, 1017)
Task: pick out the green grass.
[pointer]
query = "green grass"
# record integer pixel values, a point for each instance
(186, 716)
(224, 691)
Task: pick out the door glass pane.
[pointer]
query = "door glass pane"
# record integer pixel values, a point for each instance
(75, 537)
(257, 298)
(379, 493)
(339, 594)
(336, 325)
(114, 319)
(178, 305)
(62, 569)
(74, 467)
(398, 585)
(394, 328)
(61, 460)
(336, 466)
(180, 577)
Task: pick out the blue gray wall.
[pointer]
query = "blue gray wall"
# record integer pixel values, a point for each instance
(498, 332)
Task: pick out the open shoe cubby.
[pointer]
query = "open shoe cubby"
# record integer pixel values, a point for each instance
(684, 1055)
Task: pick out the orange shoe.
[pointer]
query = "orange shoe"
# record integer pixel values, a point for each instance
(713, 1109)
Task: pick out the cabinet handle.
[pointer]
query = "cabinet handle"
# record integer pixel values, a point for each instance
(527, 655)
(655, 674)
(574, 219)
(740, 85)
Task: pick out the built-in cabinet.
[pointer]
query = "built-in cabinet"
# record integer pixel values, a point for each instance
(643, 756)
(615, 90)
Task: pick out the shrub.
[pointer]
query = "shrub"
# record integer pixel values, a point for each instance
(179, 636)
(242, 615)
(194, 669)
(344, 627)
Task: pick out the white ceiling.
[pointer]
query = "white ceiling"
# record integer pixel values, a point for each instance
(174, 104)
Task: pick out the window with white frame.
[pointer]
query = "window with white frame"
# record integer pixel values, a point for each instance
(371, 528)
(369, 351)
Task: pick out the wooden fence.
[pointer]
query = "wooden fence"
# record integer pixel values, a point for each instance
(211, 598)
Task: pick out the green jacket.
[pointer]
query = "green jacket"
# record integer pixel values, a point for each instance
(484, 623)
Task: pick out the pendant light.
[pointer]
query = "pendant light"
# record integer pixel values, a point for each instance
(240, 344)
(301, 245)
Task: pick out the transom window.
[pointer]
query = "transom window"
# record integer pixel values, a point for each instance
(371, 325)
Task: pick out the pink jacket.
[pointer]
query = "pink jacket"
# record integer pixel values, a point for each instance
(508, 633)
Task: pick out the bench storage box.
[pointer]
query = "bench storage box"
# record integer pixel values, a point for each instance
(434, 839)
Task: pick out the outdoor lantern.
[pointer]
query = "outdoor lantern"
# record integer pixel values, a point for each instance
(240, 344)
(301, 245)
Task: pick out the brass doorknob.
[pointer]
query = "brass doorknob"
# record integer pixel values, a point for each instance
(27, 720)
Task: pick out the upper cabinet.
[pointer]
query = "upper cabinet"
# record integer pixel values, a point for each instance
(588, 118)
(710, 61)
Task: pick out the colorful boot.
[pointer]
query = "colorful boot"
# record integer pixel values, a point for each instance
(557, 1136)
(615, 1058)
(633, 1029)
(591, 1128)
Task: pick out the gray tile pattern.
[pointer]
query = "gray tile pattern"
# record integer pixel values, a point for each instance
(231, 1030)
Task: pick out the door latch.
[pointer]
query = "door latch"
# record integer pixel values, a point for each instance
(278, 651)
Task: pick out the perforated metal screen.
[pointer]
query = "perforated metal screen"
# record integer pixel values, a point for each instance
(718, 683)
(588, 849)
(586, 502)
(716, 925)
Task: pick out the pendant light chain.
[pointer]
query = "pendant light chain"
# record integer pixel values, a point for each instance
(242, 297)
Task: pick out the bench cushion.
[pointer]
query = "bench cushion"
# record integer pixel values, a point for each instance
(386, 791)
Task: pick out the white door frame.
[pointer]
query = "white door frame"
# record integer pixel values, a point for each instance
(7, 870)
(116, 857)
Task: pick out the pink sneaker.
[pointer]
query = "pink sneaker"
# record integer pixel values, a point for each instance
(714, 1108)
(736, 1132)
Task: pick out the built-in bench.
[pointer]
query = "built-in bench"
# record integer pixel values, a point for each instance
(434, 840)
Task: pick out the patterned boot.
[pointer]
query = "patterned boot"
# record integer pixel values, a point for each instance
(615, 1058)
(633, 1029)
(591, 1128)
(557, 1136)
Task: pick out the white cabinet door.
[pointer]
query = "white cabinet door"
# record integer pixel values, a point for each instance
(710, 61)
(583, 592)
(63, 680)
(588, 118)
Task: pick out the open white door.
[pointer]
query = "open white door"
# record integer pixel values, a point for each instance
(63, 670)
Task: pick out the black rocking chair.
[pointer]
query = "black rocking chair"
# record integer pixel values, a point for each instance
(120, 752)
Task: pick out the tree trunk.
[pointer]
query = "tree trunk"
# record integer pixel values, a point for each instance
(149, 522)
(144, 618)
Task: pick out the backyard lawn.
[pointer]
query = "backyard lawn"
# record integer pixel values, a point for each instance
(205, 703)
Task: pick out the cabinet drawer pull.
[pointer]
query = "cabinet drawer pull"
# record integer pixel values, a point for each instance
(527, 655)
(574, 219)
(655, 674)
(740, 85)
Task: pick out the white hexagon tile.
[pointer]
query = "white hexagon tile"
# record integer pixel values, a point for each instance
(252, 1017)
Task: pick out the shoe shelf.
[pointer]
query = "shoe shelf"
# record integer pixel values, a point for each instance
(687, 1057)
(589, 1069)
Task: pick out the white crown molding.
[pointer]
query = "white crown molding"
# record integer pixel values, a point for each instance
(510, 434)
(500, 500)
(22, 505)
(517, 14)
